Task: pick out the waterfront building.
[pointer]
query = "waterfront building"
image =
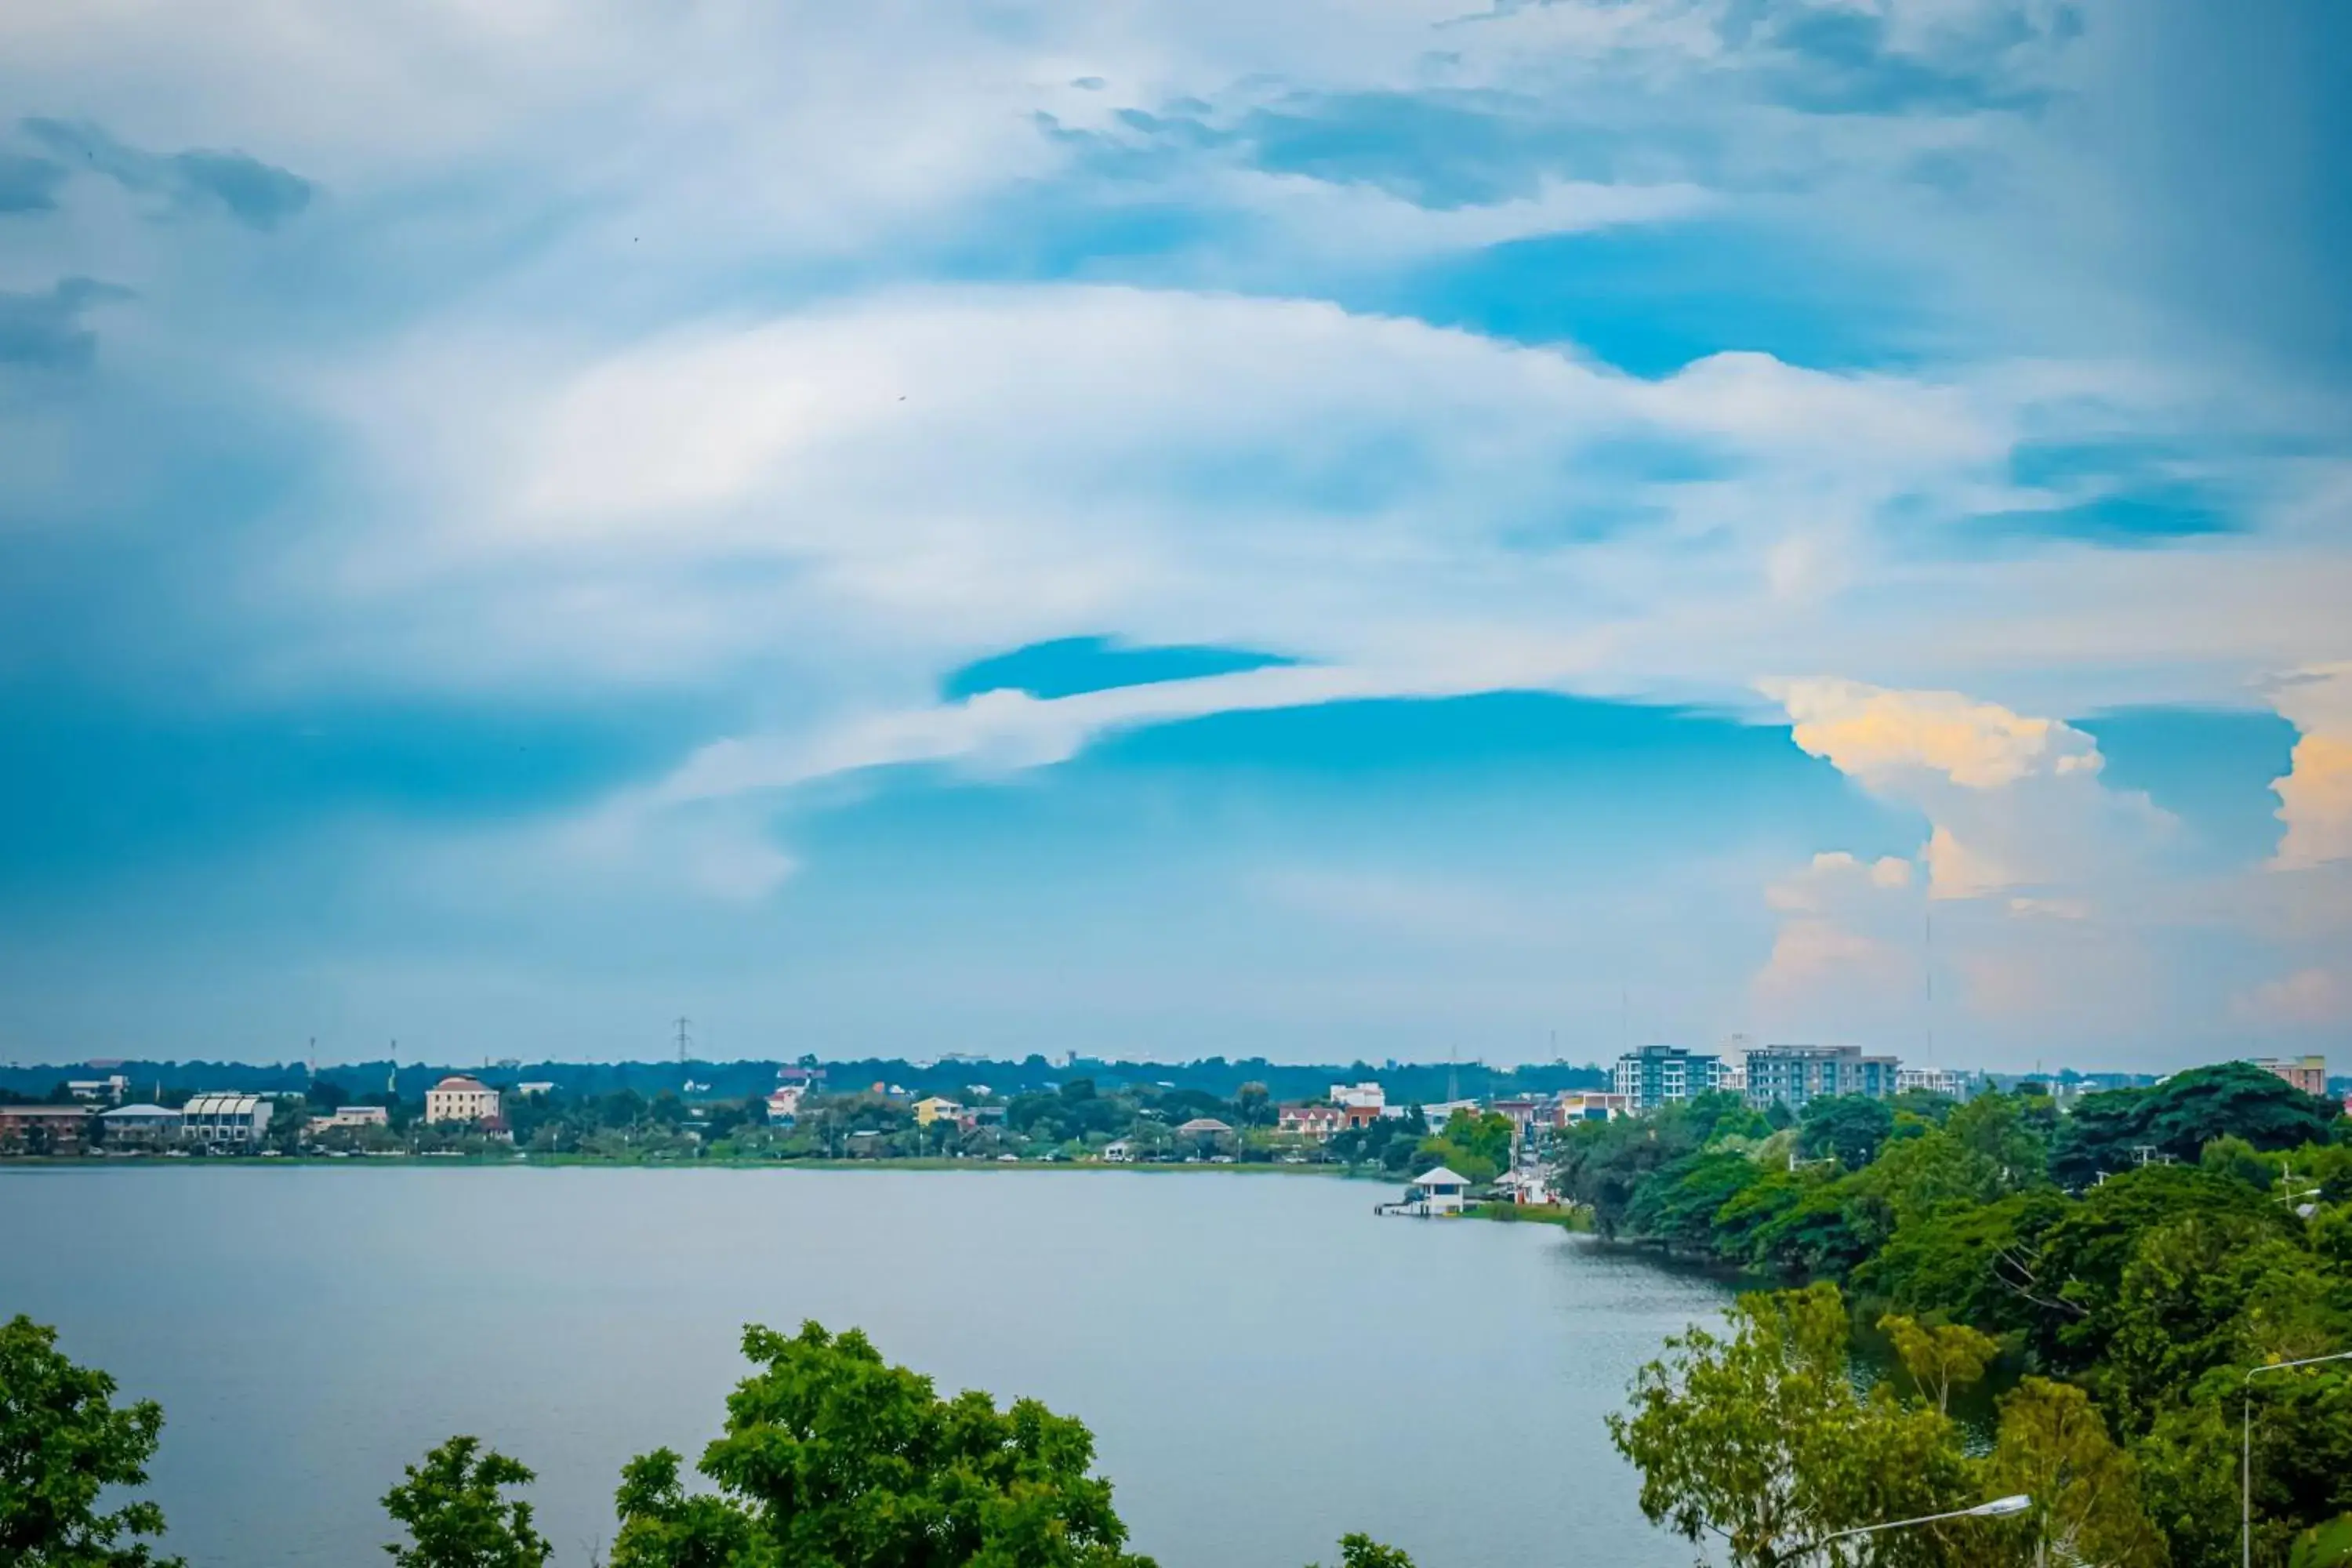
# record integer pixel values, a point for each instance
(350, 1116)
(2308, 1074)
(1436, 1192)
(461, 1099)
(139, 1126)
(1119, 1152)
(1794, 1075)
(936, 1108)
(225, 1121)
(43, 1128)
(1316, 1121)
(1665, 1074)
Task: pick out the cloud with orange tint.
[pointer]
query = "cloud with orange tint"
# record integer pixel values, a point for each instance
(1878, 735)
(2315, 793)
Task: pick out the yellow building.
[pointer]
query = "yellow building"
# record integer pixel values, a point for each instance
(936, 1109)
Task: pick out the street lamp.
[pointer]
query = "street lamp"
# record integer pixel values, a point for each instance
(2001, 1506)
(2246, 1449)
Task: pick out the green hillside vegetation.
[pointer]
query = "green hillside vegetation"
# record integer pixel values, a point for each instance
(2120, 1268)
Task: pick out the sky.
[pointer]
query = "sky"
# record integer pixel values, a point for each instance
(1161, 530)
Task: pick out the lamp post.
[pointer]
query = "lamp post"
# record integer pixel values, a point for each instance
(1999, 1508)
(2246, 1448)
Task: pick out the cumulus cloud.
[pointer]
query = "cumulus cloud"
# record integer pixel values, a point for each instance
(2315, 794)
(1880, 736)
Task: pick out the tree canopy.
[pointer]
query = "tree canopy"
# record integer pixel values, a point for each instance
(832, 1457)
(457, 1515)
(64, 1443)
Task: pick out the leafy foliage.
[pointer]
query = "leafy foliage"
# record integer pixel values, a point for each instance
(63, 1442)
(457, 1515)
(831, 1456)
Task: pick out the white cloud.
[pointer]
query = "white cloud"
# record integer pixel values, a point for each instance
(2307, 997)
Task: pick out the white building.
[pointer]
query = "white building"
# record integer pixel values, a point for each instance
(461, 1099)
(1359, 1095)
(351, 1116)
(1931, 1080)
(784, 1103)
(225, 1120)
(1436, 1192)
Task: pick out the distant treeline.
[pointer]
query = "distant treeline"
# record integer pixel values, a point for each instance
(1410, 1083)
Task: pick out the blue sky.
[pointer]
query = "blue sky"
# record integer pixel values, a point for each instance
(1174, 529)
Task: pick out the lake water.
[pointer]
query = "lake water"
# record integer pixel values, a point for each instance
(1265, 1364)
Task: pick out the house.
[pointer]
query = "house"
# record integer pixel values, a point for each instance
(784, 1103)
(936, 1108)
(1576, 1105)
(139, 1126)
(1524, 1115)
(981, 1116)
(1316, 1121)
(229, 1122)
(39, 1129)
(1205, 1131)
(1439, 1114)
(1369, 1097)
(1437, 1192)
(461, 1099)
(1118, 1153)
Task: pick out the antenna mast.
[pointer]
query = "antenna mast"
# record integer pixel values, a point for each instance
(683, 1039)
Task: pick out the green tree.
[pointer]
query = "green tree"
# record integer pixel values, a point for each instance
(2052, 1446)
(1849, 1126)
(457, 1515)
(63, 1442)
(1363, 1552)
(1940, 1357)
(1471, 1145)
(831, 1456)
(1762, 1440)
(2179, 1116)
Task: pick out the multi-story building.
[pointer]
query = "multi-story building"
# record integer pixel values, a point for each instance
(139, 1126)
(1932, 1080)
(1369, 1097)
(2308, 1074)
(226, 1121)
(1665, 1074)
(462, 1099)
(44, 1129)
(1793, 1075)
(1316, 1121)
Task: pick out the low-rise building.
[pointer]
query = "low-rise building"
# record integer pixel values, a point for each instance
(2308, 1074)
(345, 1117)
(139, 1126)
(1587, 1105)
(936, 1108)
(1369, 1097)
(1206, 1131)
(1119, 1152)
(1795, 1075)
(111, 1088)
(44, 1129)
(784, 1104)
(1317, 1122)
(226, 1123)
(461, 1099)
(1657, 1075)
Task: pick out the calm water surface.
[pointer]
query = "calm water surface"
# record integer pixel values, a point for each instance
(1264, 1364)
